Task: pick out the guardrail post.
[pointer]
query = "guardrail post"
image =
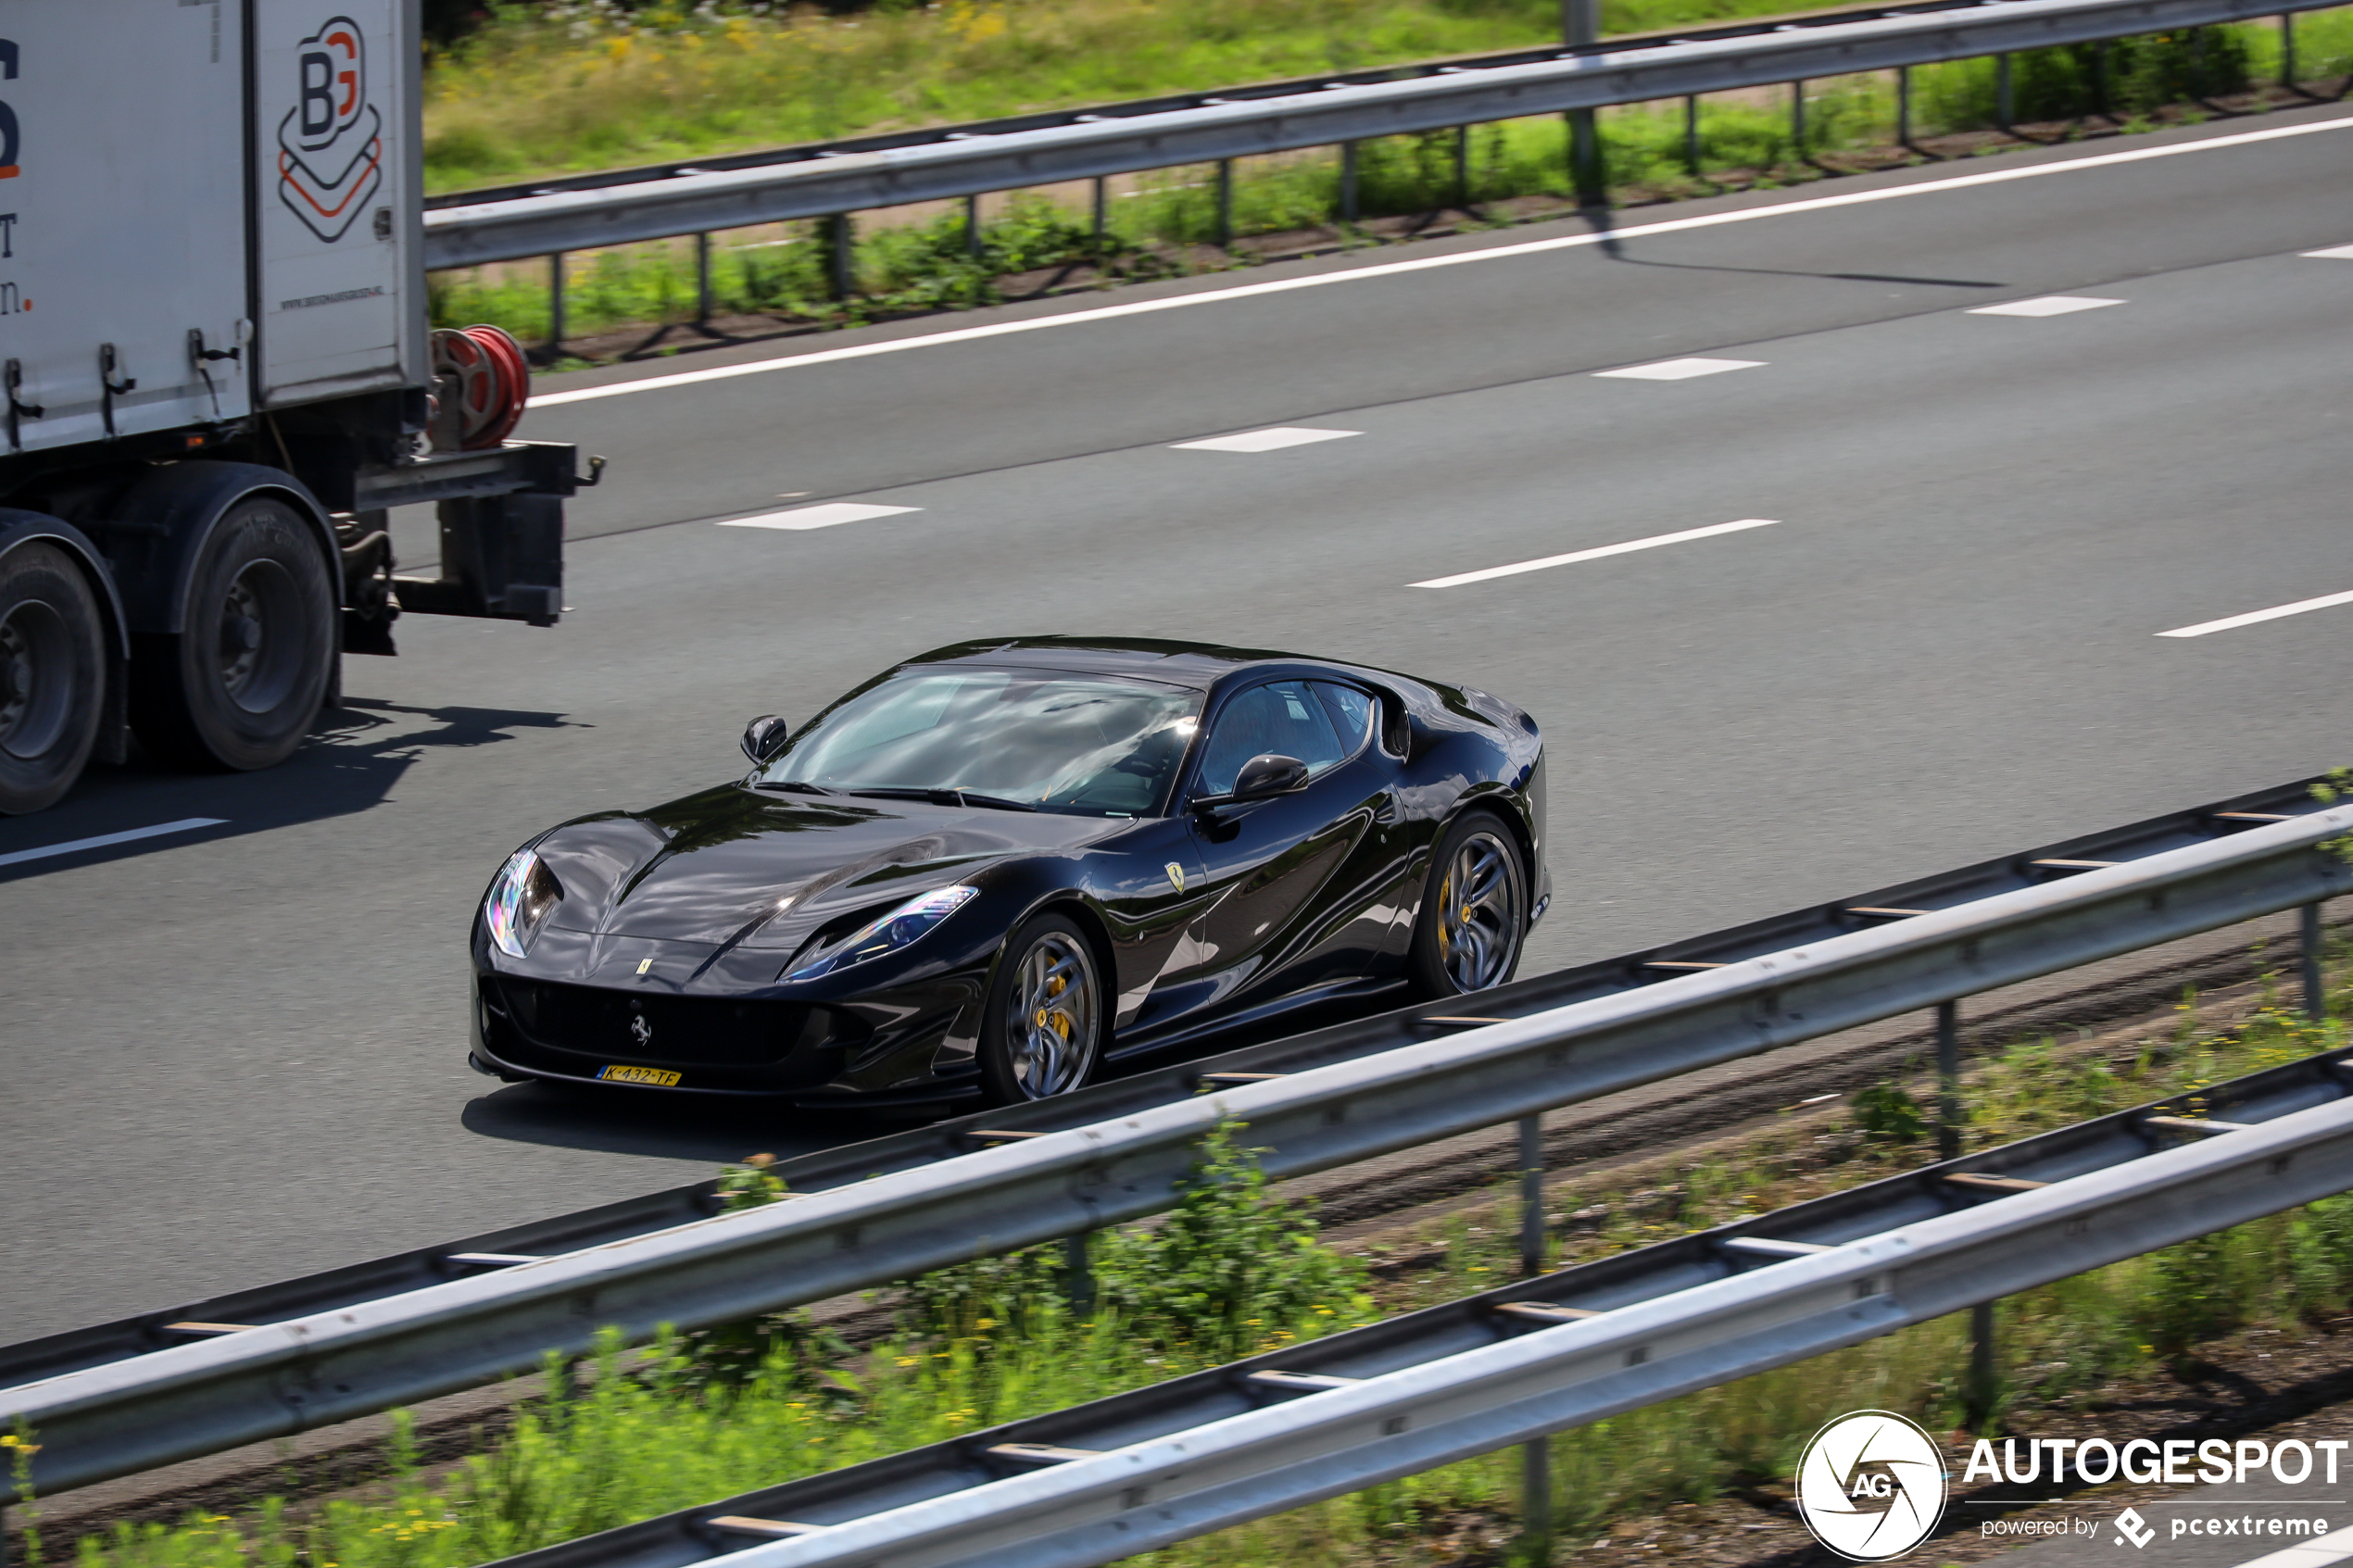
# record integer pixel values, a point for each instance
(1585, 158)
(1100, 215)
(1948, 1080)
(840, 264)
(972, 226)
(1580, 26)
(1797, 118)
(2288, 48)
(556, 306)
(1531, 1195)
(1347, 181)
(1980, 1397)
(702, 278)
(1903, 109)
(1225, 204)
(1536, 1501)
(2003, 96)
(1462, 167)
(1079, 1273)
(2316, 996)
(1691, 133)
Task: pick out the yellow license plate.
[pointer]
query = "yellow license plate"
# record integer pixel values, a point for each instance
(660, 1078)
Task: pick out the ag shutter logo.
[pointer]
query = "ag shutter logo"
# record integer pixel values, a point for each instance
(331, 148)
(1872, 1486)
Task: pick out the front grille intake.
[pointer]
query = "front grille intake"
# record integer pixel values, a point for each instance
(682, 1031)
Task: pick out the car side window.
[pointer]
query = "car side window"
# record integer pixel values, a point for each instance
(1283, 718)
(1352, 713)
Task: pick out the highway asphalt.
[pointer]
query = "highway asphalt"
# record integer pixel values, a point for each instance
(235, 1052)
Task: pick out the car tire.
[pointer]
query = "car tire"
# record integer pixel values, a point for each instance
(238, 686)
(1463, 945)
(52, 675)
(1046, 1019)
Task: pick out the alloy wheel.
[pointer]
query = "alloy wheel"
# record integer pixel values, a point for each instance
(1481, 922)
(1054, 1013)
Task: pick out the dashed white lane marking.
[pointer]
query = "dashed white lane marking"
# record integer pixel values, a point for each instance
(1429, 263)
(74, 846)
(824, 516)
(1273, 440)
(2048, 305)
(2335, 253)
(1682, 370)
(2251, 616)
(1653, 543)
(2321, 1550)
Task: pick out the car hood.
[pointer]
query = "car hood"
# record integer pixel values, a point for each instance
(714, 867)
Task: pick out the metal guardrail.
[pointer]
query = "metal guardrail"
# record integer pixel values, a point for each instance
(285, 1377)
(828, 181)
(1154, 1465)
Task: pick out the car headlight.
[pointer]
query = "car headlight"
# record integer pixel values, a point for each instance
(521, 899)
(891, 932)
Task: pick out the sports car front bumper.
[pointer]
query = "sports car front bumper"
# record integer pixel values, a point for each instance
(905, 1042)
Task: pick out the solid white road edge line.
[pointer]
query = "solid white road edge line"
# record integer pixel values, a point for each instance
(826, 516)
(2335, 253)
(2251, 616)
(1574, 556)
(1425, 263)
(185, 824)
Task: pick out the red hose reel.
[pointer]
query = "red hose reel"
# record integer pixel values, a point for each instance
(493, 381)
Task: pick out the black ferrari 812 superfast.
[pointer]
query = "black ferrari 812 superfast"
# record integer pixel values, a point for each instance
(995, 868)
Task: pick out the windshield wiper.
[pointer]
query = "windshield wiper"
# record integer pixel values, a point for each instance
(799, 786)
(944, 797)
(966, 798)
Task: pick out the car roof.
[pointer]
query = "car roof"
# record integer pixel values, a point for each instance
(1198, 665)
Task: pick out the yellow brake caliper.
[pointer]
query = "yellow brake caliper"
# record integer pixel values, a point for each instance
(1060, 1022)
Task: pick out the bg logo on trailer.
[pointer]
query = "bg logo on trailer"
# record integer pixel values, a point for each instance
(1872, 1486)
(330, 147)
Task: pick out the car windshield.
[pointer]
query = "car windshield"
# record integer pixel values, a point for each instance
(1052, 742)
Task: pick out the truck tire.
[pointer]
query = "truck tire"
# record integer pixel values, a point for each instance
(52, 675)
(239, 684)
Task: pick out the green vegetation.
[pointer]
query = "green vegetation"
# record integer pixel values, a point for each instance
(579, 84)
(1156, 224)
(1235, 1269)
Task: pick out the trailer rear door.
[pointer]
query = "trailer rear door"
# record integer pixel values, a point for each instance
(336, 92)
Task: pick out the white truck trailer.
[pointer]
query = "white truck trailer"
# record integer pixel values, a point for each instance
(218, 378)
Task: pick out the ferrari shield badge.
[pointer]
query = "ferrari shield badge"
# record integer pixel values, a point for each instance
(1176, 876)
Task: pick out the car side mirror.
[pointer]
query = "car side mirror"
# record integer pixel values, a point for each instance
(763, 737)
(1269, 774)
